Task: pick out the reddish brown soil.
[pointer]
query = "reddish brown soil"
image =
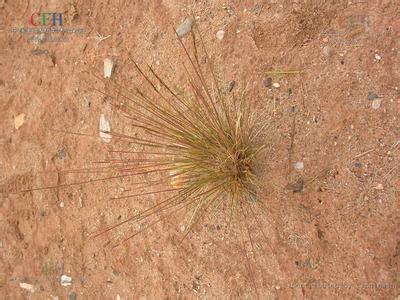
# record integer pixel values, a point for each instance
(336, 238)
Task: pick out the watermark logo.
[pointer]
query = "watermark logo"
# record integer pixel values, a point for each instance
(46, 19)
(46, 27)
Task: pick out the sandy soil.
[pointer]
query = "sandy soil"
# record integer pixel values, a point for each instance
(328, 231)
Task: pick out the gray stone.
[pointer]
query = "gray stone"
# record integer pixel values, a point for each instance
(184, 28)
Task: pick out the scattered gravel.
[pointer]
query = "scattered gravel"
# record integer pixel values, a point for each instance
(276, 85)
(372, 96)
(267, 82)
(27, 286)
(231, 85)
(66, 280)
(109, 65)
(39, 52)
(327, 51)
(19, 121)
(296, 187)
(376, 104)
(299, 165)
(220, 34)
(184, 28)
(61, 153)
(105, 129)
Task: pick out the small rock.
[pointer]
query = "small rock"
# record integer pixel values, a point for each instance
(105, 129)
(108, 67)
(61, 153)
(320, 234)
(19, 120)
(39, 52)
(276, 85)
(55, 298)
(267, 82)
(72, 296)
(327, 51)
(27, 286)
(62, 204)
(299, 165)
(184, 28)
(231, 85)
(220, 34)
(377, 57)
(376, 103)
(296, 187)
(66, 280)
(379, 186)
(372, 96)
(118, 297)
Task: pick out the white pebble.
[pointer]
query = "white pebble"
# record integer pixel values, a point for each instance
(379, 186)
(108, 67)
(19, 121)
(220, 34)
(299, 165)
(27, 286)
(105, 129)
(61, 204)
(376, 103)
(377, 56)
(66, 280)
(184, 28)
(276, 85)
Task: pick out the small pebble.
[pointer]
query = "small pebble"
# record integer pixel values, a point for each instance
(377, 56)
(61, 153)
(372, 96)
(105, 129)
(66, 280)
(231, 85)
(72, 296)
(27, 286)
(376, 103)
(299, 165)
(276, 85)
(267, 82)
(220, 34)
(19, 121)
(62, 204)
(379, 186)
(108, 67)
(296, 187)
(184, 28)
(39, 52)
(327, 51)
